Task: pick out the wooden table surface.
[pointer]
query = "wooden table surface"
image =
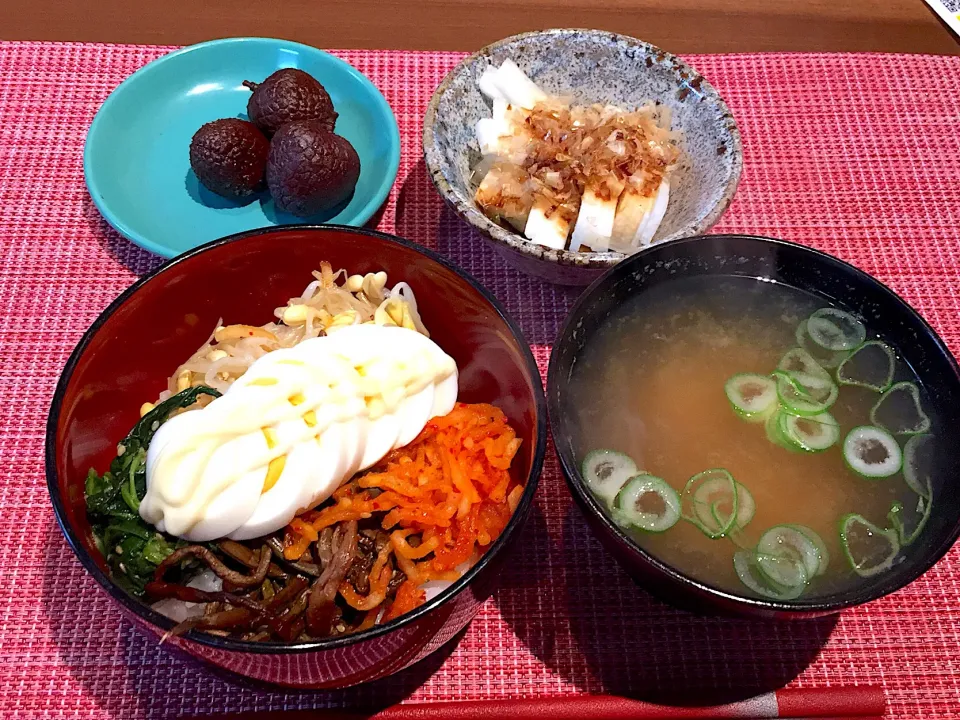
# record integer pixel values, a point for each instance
(683, 26)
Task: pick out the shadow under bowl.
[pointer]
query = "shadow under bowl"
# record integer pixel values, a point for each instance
(591, 66)
(794, 266)
(125, 358)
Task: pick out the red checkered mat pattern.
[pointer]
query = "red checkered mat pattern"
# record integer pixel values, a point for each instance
(858, 155)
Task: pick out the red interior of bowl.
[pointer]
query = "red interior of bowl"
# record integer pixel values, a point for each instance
(132, 351)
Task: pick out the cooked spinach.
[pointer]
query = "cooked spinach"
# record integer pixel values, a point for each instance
(132, 548)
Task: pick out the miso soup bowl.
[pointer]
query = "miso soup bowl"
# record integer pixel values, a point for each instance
(126, 356)
(799, 267)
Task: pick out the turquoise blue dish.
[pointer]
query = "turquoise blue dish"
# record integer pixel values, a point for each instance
(136, 159)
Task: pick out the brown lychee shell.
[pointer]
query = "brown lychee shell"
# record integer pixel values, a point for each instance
(310, 169)
(288, 95)
(229, 157)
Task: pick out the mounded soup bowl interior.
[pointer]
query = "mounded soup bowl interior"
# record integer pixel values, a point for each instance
(142, 337)
(798, 267)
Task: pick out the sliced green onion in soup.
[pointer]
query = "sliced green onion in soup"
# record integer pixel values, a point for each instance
(870, 366)
(803, 394)
(900, 517)
(606, 471)
(799, 361)
(711, 502)
(746, 507)
(869, 549)
(813, 433)
(712, 498)
(752, 396)
(825, 358)
(818, 541)
(776, 430)
(797, 543)
(918, 463)
(803, 433)
(783, 570)
(782, 417)
(747, 564)
(836, 330)
(648, 503)
(872, 452)
(899, 411)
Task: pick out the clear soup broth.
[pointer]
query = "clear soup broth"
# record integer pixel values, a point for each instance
(651, 384)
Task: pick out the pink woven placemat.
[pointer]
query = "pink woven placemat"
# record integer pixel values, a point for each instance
(858, 155)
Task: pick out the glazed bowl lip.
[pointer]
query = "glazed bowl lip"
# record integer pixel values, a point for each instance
(591, 506)
(514, 241)
(156, 619)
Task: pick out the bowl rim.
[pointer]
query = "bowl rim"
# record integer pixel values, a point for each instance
(589, 503)
(602, 260)
(379, 103)
(156, 619)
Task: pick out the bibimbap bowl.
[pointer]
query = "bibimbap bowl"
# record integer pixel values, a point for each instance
(131, 349)
(898, 554)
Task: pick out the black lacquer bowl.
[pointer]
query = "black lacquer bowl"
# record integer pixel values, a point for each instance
(799, 267)
(126, 356)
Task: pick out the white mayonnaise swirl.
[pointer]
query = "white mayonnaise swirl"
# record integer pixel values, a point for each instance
(295, 426)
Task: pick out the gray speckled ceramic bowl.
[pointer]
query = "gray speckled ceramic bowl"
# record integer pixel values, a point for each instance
(592, 66)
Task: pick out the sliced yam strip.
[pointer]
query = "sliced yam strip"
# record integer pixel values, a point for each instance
(595, 221)
(632, 210)
(648, 228)
(514, 85)
(548, 225)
